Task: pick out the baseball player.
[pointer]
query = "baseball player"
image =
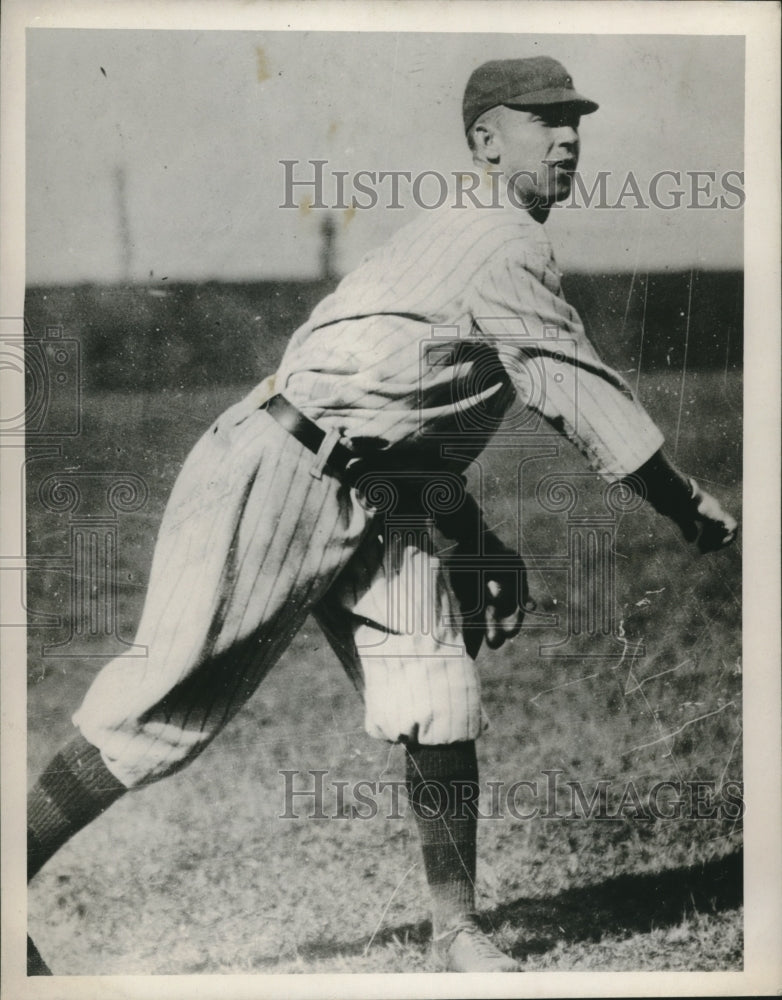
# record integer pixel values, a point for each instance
(281, 509)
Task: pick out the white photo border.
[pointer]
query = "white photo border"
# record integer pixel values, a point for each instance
(759, 23)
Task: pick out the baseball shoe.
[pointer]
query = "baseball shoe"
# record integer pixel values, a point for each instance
(465, 948)
(35, 964)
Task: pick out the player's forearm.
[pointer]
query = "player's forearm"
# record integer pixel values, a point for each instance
(466, 525)
(659, 482)
(468, 528)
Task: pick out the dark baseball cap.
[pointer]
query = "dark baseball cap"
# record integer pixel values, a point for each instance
(520, 83)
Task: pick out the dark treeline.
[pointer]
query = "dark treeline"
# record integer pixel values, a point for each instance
(186, 334)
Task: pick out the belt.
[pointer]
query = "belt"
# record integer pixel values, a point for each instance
(329, 452)
(356, 471)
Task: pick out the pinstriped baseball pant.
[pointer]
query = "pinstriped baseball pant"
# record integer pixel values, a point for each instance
(250, 543)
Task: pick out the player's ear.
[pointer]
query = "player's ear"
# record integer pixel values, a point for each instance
(485, 142)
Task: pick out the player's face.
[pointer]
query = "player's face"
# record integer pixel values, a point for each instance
(537, 150)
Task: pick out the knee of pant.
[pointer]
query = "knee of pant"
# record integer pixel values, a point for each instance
(141, 754)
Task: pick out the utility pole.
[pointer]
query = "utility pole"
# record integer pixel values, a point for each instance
(328, 232)
(123, 225)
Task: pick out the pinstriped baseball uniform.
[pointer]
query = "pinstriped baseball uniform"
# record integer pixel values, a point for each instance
(457, 318)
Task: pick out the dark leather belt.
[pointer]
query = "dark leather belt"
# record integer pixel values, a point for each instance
(408, 485)
(329, 452)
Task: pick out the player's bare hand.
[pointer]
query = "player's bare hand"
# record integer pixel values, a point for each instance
(706, 523)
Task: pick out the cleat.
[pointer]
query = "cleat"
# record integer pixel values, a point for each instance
(465, 948)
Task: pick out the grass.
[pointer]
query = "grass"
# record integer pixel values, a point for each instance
(198, 874)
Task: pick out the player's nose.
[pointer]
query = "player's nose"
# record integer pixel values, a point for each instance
(566, 136)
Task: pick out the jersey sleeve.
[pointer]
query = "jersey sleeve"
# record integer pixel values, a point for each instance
(518, 307)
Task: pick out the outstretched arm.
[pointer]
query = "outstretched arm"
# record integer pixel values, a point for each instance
(557, 372)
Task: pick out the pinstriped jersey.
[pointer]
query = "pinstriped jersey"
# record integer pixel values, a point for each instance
(456, 322)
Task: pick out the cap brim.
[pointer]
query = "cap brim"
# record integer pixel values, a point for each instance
(555, 95)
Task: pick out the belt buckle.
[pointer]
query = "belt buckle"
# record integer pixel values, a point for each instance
(323, 454)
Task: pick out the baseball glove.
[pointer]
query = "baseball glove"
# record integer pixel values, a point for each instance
(705, 522)
(698, 514)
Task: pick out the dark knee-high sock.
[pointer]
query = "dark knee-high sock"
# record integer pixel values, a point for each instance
(442, 783)
(74, 789)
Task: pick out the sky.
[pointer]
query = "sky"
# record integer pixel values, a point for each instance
(158, 153)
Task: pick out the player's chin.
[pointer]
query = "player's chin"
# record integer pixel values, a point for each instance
(556, 189)
(562, 185)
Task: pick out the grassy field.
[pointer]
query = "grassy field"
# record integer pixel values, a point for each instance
(198, 874)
